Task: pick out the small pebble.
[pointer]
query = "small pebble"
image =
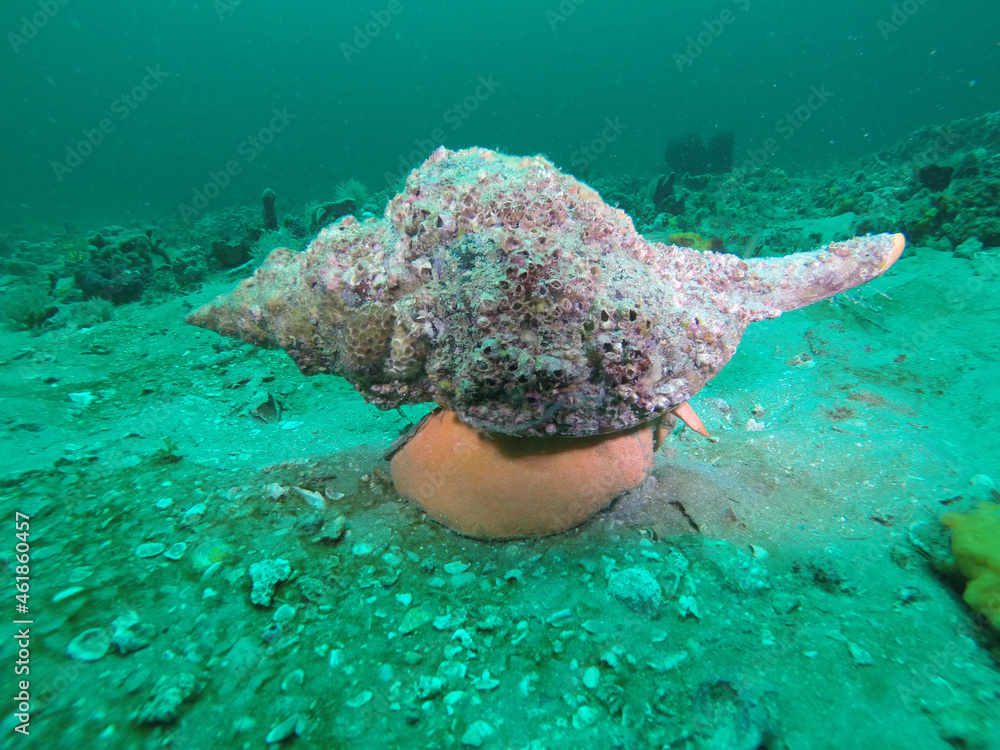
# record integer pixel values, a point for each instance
(404, 599)
(486, 682)
(560, 618)
(193, 514)
(80, 574)
(284, 613)
(585, 716)
(477, 732)
(360, 699)
(90, 645)
(592, 677)
(861, 657)
(176, 551)
(292, 680)
(361, 548)
(282, 731)
(163, 503)
(514, 575)
(454, 568)
(291, 425)
(150, 549)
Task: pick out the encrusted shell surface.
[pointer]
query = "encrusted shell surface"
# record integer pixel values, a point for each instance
(512, 294)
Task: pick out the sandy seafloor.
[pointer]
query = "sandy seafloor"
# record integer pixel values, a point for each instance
(799, 609)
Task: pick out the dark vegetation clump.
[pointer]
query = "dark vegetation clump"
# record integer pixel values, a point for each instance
(119, 264)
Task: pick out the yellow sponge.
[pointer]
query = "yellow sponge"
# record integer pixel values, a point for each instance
(976, 544)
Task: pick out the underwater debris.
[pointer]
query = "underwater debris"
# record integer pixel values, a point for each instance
(265, 575)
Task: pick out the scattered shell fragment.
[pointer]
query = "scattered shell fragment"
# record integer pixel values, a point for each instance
(150, 549)
(292, 680)
(284, 613)
(67, 593)
(687, 606)
(413, 619)
(560, 618)
(276, 491)
(667, 663)
(314, 499)
(514, 574)
(333, 530)
(429, 687)
(861, 657)
(90, 645)
(282, 731)
(477, 733)
(82, 398)
(193, 514)
(485, 682)
(176, 551)
(455, 567)
(585, 716)
(360, 699)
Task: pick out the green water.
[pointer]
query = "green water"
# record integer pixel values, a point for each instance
(362, 106)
